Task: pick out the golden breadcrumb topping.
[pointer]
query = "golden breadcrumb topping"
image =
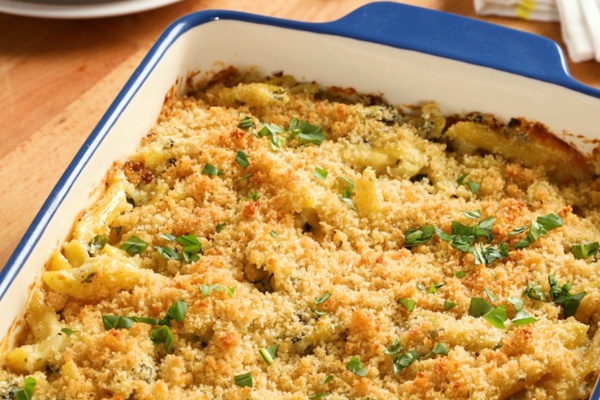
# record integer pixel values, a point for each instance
(265, 214)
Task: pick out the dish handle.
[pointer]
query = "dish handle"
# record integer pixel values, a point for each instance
(460, 38)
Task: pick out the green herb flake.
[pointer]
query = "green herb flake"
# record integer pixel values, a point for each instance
(461, 180)
(497, 317)
(356, 367)
(449, 305)
(473, 214)
(327, 380)
(519, 230)
(243, 178)
(168, 253)
(242, 159)
(190, 258)
(498, 346)
(562, 295)
(221, 226)
(177, 311)
(163, 335)
(318, 396)
(243, 380)
(394, 348)
(413, 236)
(116, 322)
(134, 245)
(98, 243)
(534, 292)
(403, 361)
(27, 392)
(440, 348)
(246, 123)
(490, 295)
(460, 274)
(118, 230)
(581, 251)
(274, 234)
(550, 221)
(523, 318)
(323, 298)
(516, 302)
(68, 331)
(346, 193)
(474, 186)
(191, 244)
(421, 287)
(212, 170)
(479, 307)
(268, 354)
(254, 197)
(320, 174)
(409, 304)
(167, 236)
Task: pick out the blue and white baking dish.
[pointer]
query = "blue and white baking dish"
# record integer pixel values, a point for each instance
(409, 54)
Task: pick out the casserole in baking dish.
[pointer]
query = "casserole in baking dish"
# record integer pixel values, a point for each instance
(431, 81)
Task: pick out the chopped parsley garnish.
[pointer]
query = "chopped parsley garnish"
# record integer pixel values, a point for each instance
(533, 292)
(246, 123)
(323, 298)
(268, 354)
(245, 177)
(273, 130)
(403, 361)
(190, 258)
(347, 193)
(134, 246)
(68, 331)
(523, 318)
(518, 230)
(516, 302)
(27, 392)
(394, 348)
(176, 312)
(306, 132)
(490, 295)
(206, 289)
(118, 230)
(581, 251)
(460, 274)
(274, 234)
(116, 322)
(421, 287)
(473, 214)
(537, 228)
(254, 197)
(191, 244)
(320, 174)
(481, 308)
(167, 236)
(327, 380)
(212, 170)
(409, 304)
(242, 159)
(562, 295)
(221, 226)
(435, 286)
(449, 304)
(98, 243)
(439, 348)
(320, 313)
(355, 366)
(243, 380)
(499, 345)
(168, 253)
(474, 186)
(163, 335)
(413, 236)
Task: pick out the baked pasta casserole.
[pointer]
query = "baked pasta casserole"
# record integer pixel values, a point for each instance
(273, 240)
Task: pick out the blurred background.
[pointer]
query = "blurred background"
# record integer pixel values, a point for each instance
(57, 77)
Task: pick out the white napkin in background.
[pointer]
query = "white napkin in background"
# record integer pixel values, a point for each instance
(538, 10)
(580, 20)
(575, 31)
(591, 13)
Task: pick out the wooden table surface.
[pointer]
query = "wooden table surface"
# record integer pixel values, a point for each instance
(57, 78)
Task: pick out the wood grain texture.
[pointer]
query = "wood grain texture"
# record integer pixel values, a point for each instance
(57, 78)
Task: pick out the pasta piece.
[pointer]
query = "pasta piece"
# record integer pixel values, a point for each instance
(50, 342)
(97, 221)
(98, 278)
(58, 262)
(324, 331)
(533, 147)
(75, 253)
(368, 199)
(252, 95)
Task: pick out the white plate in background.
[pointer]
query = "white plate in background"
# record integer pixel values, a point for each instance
(79, 9)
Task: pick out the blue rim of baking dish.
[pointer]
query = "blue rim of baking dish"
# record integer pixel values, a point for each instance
(396, 25)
